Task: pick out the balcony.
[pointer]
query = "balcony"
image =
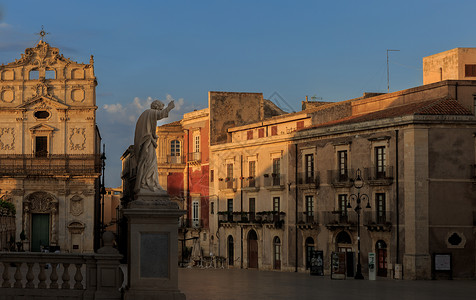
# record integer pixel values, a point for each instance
(378, 178)
(337, 178)
(175, 159)
(50, 165)
(227, 184)
(271, 218)
(346, 219)
(194, 157)
(251, 184)
(378, 221)
(191, 223)
(308, 181)
(307, 220)
(274, 181)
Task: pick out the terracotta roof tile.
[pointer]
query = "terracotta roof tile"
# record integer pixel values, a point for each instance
(429, 107)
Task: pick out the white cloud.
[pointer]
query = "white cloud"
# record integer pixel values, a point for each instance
(4, 25)
(128, 113)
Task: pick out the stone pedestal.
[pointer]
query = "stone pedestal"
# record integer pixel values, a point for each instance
(152, 249)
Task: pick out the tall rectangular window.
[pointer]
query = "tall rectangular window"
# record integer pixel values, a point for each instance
(276, 171)
(276, 204)
(41, 146)
(212, 208)
(274, 130)
(229, 206)
(310, 206)
(252, 208)
(300, 125)
(380, 161)
(212, 175)
(195, 216)
(342, 164)
(196, 143)
(251, 173)
(380, 199)
(343, 207)
(309, 161)
(229, 176)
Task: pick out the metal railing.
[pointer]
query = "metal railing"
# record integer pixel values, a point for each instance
(307, 218)
(24, 164)
(261, 217)
(337, 177)
(191, 223)
(227, 184)
(251, 182)
(377, 217)
(374, 173)
(305, 178)
(274, 180)
(345, 217)
(194, 157)
(175, 159)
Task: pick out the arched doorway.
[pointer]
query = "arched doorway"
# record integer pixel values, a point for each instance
(40, 220)
(277, 253)
(344, 244)
(252, 249)
(381, 248)
(309, 249)
(231, 252)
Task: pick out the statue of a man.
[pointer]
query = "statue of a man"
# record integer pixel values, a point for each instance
(145, 143)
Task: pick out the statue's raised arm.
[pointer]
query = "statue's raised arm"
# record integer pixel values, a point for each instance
(145, 143)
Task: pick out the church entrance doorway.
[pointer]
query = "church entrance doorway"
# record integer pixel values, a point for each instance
(40, 231)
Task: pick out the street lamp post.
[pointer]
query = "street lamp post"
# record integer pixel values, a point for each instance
(358, 183)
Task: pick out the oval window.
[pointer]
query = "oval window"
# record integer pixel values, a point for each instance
(42, 114)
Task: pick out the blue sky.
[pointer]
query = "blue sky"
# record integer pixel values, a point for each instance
(182, 49)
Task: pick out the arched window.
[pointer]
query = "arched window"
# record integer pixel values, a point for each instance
(309, 249)
(50, 74)
(277, 253)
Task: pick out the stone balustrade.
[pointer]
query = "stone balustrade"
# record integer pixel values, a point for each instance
(60, 276)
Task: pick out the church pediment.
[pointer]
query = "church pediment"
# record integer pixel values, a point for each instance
(42, 102)
(41, 128)
(42, 55)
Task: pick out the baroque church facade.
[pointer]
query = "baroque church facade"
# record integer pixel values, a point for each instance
(50, 149)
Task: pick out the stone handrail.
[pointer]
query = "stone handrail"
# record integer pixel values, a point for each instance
(60, 275)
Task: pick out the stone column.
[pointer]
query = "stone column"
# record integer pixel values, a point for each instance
(152, 248)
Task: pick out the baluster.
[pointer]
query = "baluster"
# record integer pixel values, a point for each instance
(78, 277)
(65, 277)
(6, 276)
(42, 276)
(54, 276)
(17, 276)
(30, 276)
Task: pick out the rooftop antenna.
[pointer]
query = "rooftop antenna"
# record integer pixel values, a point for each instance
(42, 33)
(388, 72)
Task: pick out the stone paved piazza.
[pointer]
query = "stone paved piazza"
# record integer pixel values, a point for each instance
(220, 284)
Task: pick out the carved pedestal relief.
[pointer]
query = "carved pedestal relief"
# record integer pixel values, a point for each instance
(7, 138)
(77, 139)
(76, 205)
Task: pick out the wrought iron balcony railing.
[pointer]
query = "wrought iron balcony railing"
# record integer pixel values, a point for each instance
(194, 157)
(379, 176)
(227, 184)
(70, 164)
(251, 183)
(309, 179)
(309, 218)
(274, 181)
(340, 177)
(191, 223)
(262, 217)
(175, 159)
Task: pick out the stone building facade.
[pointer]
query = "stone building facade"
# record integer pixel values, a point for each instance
(49, 148)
